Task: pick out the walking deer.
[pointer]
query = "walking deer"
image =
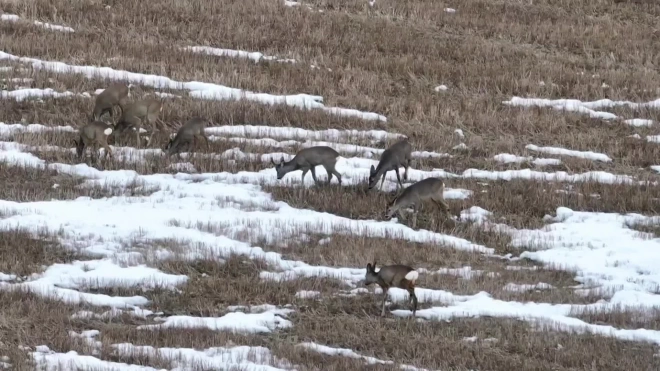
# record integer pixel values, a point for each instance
(185, 136)
(399, 154)
(94, 135)
(137, 113)
(400, 276)
(114, 95)
(416, 194)
(307, 159)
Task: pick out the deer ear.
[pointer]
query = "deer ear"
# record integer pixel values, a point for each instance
(373, 169)
(282, 159)
(273, 161)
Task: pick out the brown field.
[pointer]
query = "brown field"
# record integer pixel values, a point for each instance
(386, 58)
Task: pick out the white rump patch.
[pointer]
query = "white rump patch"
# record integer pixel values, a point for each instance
(107, 131)
(412, 276)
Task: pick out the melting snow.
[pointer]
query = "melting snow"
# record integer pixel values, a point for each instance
(48, 26)
(266, 321)
(304, 294)
(527, 287)
(508, 158)
(253, 56)
(23, 94)
(567, 152)
(323, 349)
(197, 89)
(639, 122)
(217, 358)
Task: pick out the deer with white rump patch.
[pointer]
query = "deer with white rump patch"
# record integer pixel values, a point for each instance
(308, 159)
(137, 113)
(400, 276)
(191, 130)
(399, 154)
(427, 189)
(93, 135)
(114, 95)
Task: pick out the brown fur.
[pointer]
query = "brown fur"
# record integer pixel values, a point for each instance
(392, 276)
(427, 189)
(137, 113)
(93, 135)
(114, 95)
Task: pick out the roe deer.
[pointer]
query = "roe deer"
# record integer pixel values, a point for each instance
(93, 135)
(307, 159)
(400, 276)
(137, 113)
(415, 194)
(114, 95)
(399, 154)
(192, 129)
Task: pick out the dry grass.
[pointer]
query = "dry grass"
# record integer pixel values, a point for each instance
(26, 184)
(385, 59)
(24, 253)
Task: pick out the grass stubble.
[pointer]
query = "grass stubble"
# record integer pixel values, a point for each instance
(389, 62)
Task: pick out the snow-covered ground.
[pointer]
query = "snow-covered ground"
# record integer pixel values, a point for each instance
(48, 26)
(604, 254)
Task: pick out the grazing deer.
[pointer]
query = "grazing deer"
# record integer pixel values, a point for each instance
(192, 129)
(137, 113)
(400, 276)
(94, 134)
(307, 159)
(399, 154)
(114, 95)
(415, 194)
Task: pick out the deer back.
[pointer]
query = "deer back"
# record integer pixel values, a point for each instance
(313, 156)
(393, 158)
(397, 275)
(112, 95)
(195, 125)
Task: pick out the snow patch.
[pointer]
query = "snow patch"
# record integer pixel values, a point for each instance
(238, 322)
(196, 89)
(639, 122)
(304, 294)
(253, 56)
(588, 155)
(527, 287)
(217, 358)
(323, 349)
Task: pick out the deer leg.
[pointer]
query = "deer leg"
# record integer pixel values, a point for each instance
(442, 206)
(413, 298)
(83, 154)
(382, 312)
(329, 171)
(161, 124)
(95, 153)
(205, 139)
(414, 218)
(137, 136)
(107, 151)
(382, 181)
(336, 173)
(398, 177)
(313, 169)
(303, 176)
(405, 174)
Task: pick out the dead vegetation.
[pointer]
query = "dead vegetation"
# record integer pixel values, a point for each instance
(385, 59)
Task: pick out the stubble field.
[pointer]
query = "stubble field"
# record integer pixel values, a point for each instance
(540, 116)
